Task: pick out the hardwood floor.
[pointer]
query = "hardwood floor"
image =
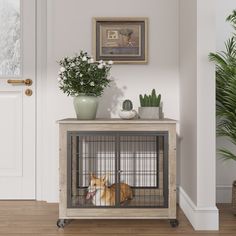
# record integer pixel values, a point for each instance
(29, 218)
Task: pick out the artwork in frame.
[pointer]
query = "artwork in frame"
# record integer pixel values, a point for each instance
(122, 40)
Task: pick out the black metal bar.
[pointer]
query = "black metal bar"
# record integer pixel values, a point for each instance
(117, 170)
(157, 161)
(123, 133)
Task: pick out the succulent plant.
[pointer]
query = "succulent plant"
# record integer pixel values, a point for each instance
(127, 105)
(150, 100)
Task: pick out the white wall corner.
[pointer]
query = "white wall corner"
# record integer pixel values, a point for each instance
(201, 218)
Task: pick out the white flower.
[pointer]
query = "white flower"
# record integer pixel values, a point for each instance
(81, 75)
(104, 63)
(63, 69)
(92, 84)
(100, 66)
(110, 62)
(82, 83)
(72, 64)
(91, 60)
(84, 58)
(101, 61)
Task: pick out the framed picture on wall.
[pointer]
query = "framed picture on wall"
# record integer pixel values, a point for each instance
(122, 40)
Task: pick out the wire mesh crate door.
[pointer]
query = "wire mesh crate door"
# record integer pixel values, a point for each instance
(117, 170)
(95, 170)
(142, 169)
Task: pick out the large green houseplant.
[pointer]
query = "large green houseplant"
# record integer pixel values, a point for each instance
(226, 91)
(226, 96)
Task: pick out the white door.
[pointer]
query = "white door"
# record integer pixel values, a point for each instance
(17, 109)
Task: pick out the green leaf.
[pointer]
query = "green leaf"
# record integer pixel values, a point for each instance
(226, 154)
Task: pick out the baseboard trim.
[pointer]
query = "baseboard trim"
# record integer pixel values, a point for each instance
(224, 193)
(201, 218)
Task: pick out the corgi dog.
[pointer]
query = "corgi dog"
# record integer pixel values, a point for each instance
(102, 195)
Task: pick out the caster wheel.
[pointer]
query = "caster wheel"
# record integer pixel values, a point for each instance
(61, 223)
(174, 223)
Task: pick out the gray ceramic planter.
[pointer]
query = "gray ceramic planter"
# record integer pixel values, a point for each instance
(86, 107)
(149, 113)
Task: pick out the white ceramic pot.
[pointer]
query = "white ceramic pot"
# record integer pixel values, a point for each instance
(127, 115)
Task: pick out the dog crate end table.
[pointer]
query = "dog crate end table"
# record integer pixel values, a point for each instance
(117, 169)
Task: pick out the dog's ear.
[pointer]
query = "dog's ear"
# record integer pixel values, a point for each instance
(92, 176)
(105, 178)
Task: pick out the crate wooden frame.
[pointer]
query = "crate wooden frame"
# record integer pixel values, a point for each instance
(117, 125)
(234, 197)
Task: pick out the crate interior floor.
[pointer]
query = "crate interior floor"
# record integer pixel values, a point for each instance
(31, 218)
(137, 201)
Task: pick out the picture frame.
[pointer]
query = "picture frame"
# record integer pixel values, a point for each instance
(120, 39)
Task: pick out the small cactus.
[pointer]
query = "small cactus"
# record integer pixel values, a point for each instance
(127, 105)
(150, 100)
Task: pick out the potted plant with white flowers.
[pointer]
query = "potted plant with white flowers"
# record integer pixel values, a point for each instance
(84, 79)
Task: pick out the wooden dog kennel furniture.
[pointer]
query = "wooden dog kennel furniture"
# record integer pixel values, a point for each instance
(139, 153)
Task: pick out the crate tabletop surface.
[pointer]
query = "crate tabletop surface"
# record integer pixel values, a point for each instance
(116, 121)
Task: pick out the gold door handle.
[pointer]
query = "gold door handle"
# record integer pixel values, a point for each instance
(27, 82)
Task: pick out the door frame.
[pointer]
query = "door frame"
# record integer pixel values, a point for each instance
(41, 72)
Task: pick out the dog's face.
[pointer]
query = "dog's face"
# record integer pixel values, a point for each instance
(96, 184)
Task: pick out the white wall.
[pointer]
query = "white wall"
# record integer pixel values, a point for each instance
(225, 171)
(188, 97)
(197, 109)
(69, 28)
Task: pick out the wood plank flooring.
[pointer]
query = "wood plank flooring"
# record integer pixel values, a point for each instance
(30, 218)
